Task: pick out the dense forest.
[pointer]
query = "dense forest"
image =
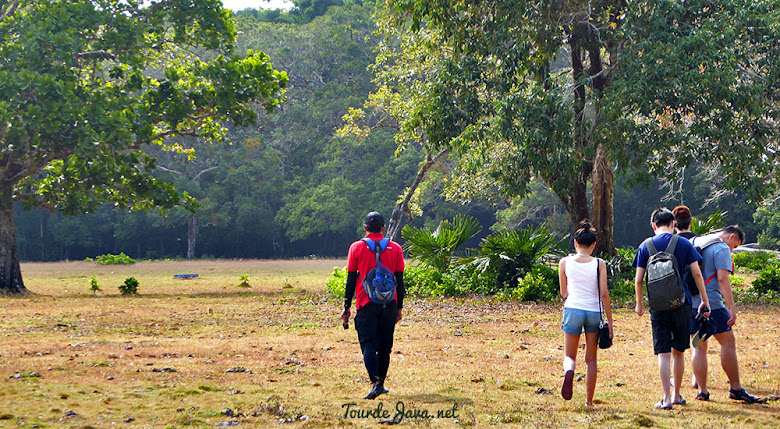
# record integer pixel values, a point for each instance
(292, 187)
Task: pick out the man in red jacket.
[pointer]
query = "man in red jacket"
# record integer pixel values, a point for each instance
(374, 322)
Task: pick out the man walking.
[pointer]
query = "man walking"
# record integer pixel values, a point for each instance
(671, 328)
(716, 267)
(374, 321)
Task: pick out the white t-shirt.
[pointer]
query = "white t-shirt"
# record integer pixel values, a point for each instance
(582, 283)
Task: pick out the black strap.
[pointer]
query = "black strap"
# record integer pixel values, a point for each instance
(598, 290)
(672, 244)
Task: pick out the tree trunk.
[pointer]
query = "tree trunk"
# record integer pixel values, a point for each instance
(603, 198)
(10, 271)
(192, 235)
(394, 225)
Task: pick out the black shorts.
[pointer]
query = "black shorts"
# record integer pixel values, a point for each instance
(375, 325)
(671, 329)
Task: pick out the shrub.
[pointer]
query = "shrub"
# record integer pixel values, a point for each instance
(244, 281)
(754, 261)
(509, 255)
(120, 259)
(622, 291)
(93, 285)
(337, 283)
(130, 287)
(438, 248)
(423, 280)
(619, 267)
(768, 280)
(539, 285)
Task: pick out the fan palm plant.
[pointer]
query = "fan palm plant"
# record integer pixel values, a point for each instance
(509, 255)
(437, 248)
(709, 224)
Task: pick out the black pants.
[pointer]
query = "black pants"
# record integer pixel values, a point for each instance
(375, 325)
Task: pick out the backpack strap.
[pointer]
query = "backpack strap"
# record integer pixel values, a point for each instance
(650, 246)
(672, 244)
(377, 247)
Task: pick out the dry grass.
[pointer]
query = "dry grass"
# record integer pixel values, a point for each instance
(175, 356)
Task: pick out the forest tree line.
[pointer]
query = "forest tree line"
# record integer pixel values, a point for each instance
(292, 187)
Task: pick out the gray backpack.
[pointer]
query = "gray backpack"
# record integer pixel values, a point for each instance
(665, 289)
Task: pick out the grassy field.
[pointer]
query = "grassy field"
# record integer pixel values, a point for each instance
(205, 353)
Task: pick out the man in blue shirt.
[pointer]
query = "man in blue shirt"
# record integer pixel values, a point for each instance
(716, 268)
(671, 329)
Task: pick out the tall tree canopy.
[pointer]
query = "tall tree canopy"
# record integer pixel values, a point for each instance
(571, 91)
(84, 85)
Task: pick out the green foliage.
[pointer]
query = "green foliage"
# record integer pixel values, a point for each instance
(130, 286)
(337, 283)
(93, 285)
(768, 219)
(109, 259)
(85, 85)
(622, 291)
(710, 224)
(619, 267)
(768, 280)
(243, 281)
(426, 281)
(754, 261)
(437, 248)
(539, 285)
(767, 241)
(507, 256)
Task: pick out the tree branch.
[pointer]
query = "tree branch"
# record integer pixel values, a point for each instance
(99, 54)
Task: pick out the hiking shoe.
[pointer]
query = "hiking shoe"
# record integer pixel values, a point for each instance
(703, 396)
(660, 406)
(680, 401)
(568, 381)
(741, 395)
(376, 391)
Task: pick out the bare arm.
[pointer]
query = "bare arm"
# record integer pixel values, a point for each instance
(699, 279)
(639, 283)
(562, 278)
(604, 289)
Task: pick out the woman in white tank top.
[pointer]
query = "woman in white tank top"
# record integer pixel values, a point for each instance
(582, 279)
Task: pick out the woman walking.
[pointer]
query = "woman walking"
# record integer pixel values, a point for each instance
(583, 279)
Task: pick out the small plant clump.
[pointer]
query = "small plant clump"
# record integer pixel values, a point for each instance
(244, 281)
(130, 287)
(120, 259)
(93, 285)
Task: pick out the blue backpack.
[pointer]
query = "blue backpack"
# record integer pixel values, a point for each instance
(379, 283)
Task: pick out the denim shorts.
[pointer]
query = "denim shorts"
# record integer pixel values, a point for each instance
(717, 323)
(575, 320)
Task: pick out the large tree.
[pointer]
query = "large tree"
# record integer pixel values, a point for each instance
(84, 85)
(571, 91)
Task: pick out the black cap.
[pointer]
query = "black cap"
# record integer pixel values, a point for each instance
(374, 222)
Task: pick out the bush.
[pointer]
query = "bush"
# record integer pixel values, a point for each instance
(120, 259)
(768, 280)
(754, 261)
(622, 291)
(244, 281)
(539, 285)
(619, 267)
(130, 287)
(93, 285)
(337, 283)
(424, 280)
